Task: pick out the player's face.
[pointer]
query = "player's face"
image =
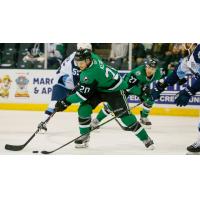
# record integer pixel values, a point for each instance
(150, 71)
(82, 64)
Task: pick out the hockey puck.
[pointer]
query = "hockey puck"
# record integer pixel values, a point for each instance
(35, 152)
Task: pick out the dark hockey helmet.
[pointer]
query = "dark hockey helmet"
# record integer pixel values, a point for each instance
(152, 62)
(83, 54)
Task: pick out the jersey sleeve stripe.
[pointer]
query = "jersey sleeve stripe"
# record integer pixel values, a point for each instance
(82, 97)
(117, 85)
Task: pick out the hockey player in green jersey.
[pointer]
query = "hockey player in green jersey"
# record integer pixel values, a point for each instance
(138, 80)
(100, 83)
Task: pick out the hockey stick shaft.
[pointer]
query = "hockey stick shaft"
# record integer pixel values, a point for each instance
(110, 112)
(196, 74)
(20, 147)
(113, 118)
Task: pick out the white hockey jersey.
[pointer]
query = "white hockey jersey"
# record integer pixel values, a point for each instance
(189, 65)
(68, 73)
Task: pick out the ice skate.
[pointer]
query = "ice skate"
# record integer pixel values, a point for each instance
(195, 147)
(94, 123)
(146, 122)
(149, 144)
(82, 142)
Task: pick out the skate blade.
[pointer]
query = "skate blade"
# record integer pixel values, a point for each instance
(42, 132)
(151, 148)
(192, 153)
(146, 126)
(81, 146)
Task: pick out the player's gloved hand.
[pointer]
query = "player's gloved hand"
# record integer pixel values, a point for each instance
(157, 90)
(62, 105)
(183, 97)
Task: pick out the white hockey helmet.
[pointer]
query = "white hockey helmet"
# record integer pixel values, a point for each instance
(84, 46)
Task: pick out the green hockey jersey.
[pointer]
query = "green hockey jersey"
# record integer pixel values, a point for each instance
(97, 77)
(137, 79)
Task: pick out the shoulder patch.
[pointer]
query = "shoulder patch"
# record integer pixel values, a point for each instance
(138, 73)
(85, 79)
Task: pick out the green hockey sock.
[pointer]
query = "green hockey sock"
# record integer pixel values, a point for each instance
(144, 113)
(101, 115)
(141, 134)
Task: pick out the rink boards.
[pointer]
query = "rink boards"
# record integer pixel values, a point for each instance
(31, 90)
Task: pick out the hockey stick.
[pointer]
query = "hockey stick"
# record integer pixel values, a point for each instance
(49, 152)
(122, 127)
(20, 147)
(106, 107)
(196, 74)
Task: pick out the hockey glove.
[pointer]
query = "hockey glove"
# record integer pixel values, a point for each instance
(182, 81)
(159, 88)
(183, 97)
(62, 105)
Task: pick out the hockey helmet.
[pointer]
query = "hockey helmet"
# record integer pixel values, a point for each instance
(82, 54)
(152, 62)
(84, 46)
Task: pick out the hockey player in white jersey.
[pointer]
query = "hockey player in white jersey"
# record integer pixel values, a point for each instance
(188, 66)
(67, 78)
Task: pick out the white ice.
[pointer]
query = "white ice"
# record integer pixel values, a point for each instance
(171, 135)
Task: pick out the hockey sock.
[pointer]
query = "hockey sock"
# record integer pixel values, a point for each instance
(144, 113)
(84, 125)
(131, 122)
(102, 114)
(141, 134)
(84, 112)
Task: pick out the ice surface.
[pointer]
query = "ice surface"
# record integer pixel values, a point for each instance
(171, 135)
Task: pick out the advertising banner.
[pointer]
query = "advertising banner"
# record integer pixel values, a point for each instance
(35, 86)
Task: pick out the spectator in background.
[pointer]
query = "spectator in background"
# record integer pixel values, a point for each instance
(118, 54)
(147, 48)
(55, 52)
(35, 56)
(70, 48)
(8, 52)
(138, 54)
(172, 56)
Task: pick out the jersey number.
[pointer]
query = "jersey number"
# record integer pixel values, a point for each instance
(109, 72)
(75, 72)
(84, 89)
(132, 80)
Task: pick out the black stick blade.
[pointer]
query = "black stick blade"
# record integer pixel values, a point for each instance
(14, 147)
(45, 152)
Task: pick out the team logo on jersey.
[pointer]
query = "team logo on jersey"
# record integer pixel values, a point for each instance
(85, 79)
(138, 73)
